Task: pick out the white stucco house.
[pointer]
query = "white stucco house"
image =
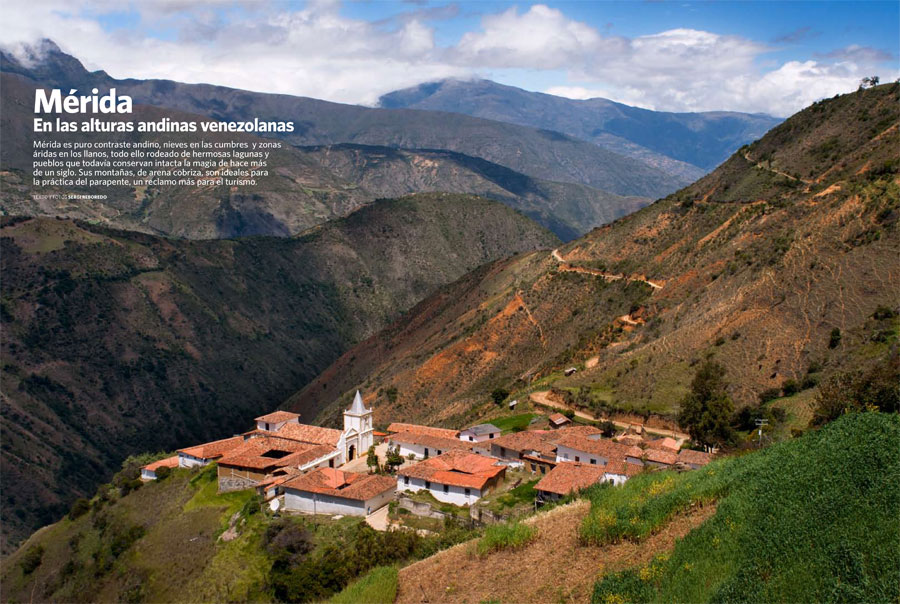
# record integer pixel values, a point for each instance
(148, 472)
(332, 491)
(422, 446)
(479, 433)
(595, 451)
(457, 477)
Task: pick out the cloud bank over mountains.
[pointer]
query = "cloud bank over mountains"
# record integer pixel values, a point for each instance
(316, 50)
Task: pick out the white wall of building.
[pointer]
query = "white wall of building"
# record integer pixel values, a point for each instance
(616, 479)
(417, 450)
(569, 454)
(454, 494)
(302, 501)
(470, 437)
(189, 461)
(147, 474)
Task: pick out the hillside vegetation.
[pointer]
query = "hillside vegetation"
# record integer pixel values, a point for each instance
(176, 540)
(811, 520)
(781, 265)
(808, 520)
(117, 342)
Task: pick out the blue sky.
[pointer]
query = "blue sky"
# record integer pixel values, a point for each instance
(773, 57)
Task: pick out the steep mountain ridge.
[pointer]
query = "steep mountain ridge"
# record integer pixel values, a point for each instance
(688, 144)
(790, 241)
(537, 153)
(118, 342)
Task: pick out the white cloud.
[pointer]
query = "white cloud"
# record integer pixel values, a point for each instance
(316, 51)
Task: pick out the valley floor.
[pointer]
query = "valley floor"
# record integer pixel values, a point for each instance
(553, 567)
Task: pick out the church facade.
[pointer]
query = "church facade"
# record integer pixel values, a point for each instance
(359, 430)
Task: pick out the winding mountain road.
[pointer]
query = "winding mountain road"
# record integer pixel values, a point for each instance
(571, 268)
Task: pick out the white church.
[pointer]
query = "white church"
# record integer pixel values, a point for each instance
(359, 433)
(281, 444)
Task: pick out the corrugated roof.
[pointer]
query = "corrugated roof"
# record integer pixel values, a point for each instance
(253, 455)
(483, 429)
(602, 446)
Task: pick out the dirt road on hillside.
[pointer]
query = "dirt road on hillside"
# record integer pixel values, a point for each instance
(571, 268)
(545, 398)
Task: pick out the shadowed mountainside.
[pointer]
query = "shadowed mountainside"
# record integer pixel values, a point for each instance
(118, 342)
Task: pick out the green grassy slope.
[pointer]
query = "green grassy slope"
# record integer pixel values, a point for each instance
(116, 342)
(809, 520)
(177, 540)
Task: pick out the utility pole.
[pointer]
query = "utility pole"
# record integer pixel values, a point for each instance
(760, 423)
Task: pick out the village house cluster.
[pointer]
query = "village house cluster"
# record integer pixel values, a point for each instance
(317, 470)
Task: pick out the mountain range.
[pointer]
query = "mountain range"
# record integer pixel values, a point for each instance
(775, 264)
(685, 144)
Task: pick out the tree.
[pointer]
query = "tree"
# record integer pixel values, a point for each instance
(706, 411)
(372, 459)
(875, 389)
(835, 339)
(499, 395)
(608, 428)
(393, 459)
(869, 82)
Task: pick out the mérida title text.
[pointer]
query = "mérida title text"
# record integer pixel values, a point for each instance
(111, 103)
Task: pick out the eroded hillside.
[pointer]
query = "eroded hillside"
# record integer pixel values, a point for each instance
(774, 263)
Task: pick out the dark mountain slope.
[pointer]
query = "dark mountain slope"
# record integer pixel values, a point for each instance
(305, 186)
(687, 144)
(538, 153)
(117, 342)
(792, 240)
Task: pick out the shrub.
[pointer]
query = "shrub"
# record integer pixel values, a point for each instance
(769, 394)
(510, 535)
(163, 472)
(790, 387)
(32, 559)
(883, 312)
(79, 508)
(834, 339)
(499, 395)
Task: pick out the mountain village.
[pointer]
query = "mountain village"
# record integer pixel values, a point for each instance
(300, 468)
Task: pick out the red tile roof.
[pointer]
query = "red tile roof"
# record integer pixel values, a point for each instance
(252, 455)
(214, 449)
(621, 468)
(436, 443)
(567, 477)
(439, 432)
(456, 468)
(664, 457)
(697, 458)
(665, 444)
(276, 417)
(559, 419)
(603, 447)
(631, 440)
(168, 462)
(347, 485)
(310, 434)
